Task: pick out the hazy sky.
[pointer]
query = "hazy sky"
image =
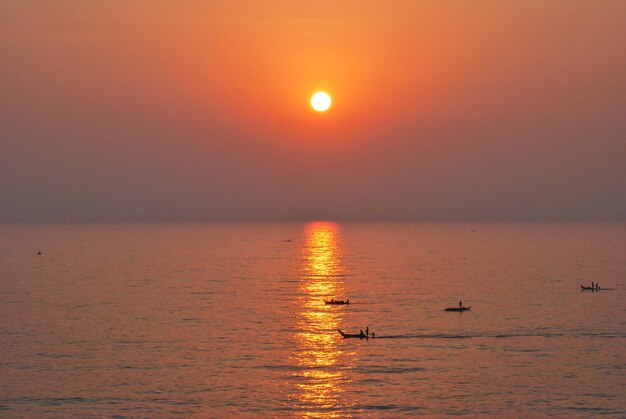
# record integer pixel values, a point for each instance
(198, 110)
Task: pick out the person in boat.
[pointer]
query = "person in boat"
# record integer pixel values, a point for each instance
(361, 334)
(347, 301)
(332, 300)
(460, 303)
(373, 336)
(598, 286)
(367, 331)
(592, 286)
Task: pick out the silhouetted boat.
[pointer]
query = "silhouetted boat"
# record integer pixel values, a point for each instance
(287, 241)
(458, 308)
(583, 288)
(337, 302)
(352, 335)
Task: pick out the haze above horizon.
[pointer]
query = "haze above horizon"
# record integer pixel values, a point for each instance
(441, 110)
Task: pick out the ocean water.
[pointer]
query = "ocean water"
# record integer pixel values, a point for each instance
(215, 320)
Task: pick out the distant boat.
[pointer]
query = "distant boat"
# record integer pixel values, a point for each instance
(583, 288)
(458, 308)
(39, 252)
(352, 335)
(287, 241)
(337, 302)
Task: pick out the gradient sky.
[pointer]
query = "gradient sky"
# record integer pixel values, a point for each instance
(198, 110)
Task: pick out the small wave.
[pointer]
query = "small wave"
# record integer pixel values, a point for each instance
(291, 368)
(596, 410)
(426, 336)
(325, 276)
(609, 335)
(388, 370)
(387, 407)
(58, 401)
(53, 356)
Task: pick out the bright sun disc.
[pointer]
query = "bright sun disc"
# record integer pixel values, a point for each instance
(320, 101)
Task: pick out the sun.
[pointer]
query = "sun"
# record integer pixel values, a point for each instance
(321, 101)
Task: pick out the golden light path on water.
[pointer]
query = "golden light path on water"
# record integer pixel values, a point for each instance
(321, 277)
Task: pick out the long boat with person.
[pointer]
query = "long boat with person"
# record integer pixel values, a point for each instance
(337, 302)
(354, 335)
(458, 308)
(595, 286)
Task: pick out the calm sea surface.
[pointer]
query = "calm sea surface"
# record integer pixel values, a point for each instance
(229, 320)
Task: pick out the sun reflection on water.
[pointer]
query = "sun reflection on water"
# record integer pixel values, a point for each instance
(322, 380)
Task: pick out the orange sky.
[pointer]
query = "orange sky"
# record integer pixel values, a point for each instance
(437, 101)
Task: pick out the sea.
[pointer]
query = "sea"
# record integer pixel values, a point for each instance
(230, 320)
